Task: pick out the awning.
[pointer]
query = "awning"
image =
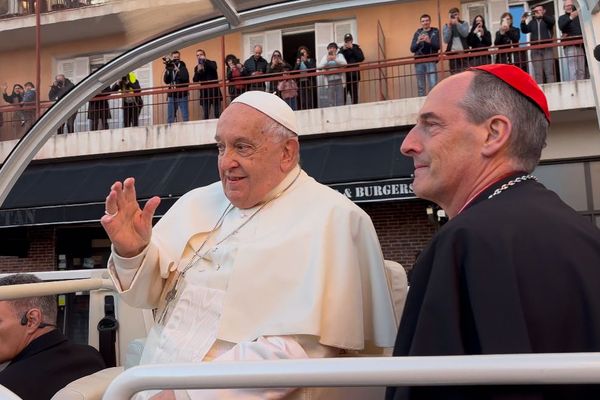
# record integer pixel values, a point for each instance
(74, 191)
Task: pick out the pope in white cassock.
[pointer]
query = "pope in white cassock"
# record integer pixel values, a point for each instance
(266, 264)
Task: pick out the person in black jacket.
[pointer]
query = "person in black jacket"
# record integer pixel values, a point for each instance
(479, 39)
(353, 54)
(541, 29)
(307, 84)
(59, 88)
(425, 43)
(41, 360)
(15, 98)
(176, 75)
(255, 66)
(508, 36)
(570, 26)
(132, 104)
(515, 269)
(99, 111)
(206, 71)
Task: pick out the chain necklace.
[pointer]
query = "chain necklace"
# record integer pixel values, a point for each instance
(173, 282)
(512, 183)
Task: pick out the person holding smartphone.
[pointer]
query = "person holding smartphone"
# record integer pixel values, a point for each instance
(570, 26)
(508, 36)
(307, 84)
(335, 84)
(479, 39)
(455, 35)
(541, 29)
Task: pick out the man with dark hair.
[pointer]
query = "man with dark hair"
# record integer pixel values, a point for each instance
(353, 55)
(455, 35)
(176, 75)
(41, 360)
(206, 71)
(425, 43)
(514, 270)
(541, 28)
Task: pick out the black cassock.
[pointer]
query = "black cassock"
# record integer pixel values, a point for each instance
(517, 273)
(48, 364)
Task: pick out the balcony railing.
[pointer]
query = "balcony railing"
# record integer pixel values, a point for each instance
(379, 81)
(16, 8)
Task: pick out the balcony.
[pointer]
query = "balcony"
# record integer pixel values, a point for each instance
(388, 98)
(61, 18)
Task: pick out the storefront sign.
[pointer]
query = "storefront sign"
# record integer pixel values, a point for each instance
(384, 190)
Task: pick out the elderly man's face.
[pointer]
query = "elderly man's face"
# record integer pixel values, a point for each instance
(13, 335)
(251, 162)
(444, 145)
(568, 7)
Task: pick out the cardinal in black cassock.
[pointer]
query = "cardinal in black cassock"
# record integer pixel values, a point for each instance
(515, 271)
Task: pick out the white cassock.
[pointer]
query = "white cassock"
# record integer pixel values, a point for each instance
(303, 278)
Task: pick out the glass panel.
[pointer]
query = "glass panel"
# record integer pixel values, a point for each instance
(567, 180)
(595, 175)
(598, 221)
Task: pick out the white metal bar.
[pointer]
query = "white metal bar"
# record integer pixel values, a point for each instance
(61, 274)
(6, 394)
(518, 369)
(50, 288)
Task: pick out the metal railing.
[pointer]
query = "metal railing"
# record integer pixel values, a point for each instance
(314, 88)
(18, 8)
(505, 369)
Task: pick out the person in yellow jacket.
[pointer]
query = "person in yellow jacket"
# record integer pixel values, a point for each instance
(132, 103)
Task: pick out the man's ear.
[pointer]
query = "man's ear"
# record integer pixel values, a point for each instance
(290, 153)
(499, 131)
(34, 319)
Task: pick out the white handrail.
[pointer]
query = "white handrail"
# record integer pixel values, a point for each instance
(9, 292)
(518, 369)
(6, 394)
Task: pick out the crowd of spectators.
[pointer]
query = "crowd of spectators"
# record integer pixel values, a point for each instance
(460, 39)
(466, 45)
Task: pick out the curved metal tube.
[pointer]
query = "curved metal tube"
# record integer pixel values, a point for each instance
(6, 394)
(10, 292)
(506, 369)
(46, 126)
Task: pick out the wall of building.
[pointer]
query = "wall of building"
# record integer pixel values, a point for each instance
(402, 227)
(40, 257)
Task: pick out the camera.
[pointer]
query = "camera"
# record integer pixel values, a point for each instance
(169, 63)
